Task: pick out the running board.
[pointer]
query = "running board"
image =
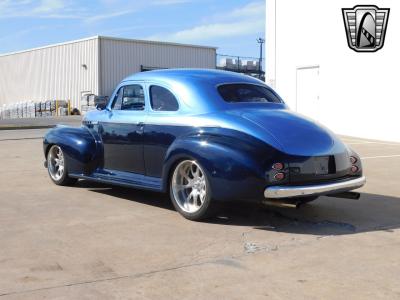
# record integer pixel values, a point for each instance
(136, 181)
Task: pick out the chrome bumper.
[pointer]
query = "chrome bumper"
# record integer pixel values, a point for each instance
(313, 190)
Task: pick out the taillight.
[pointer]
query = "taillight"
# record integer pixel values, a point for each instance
(279, 176)
(354, 166)
(278, 172)
(354, 169)
(278, 166)
(353, 160)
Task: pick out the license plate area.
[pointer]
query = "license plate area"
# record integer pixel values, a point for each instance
(321, 165)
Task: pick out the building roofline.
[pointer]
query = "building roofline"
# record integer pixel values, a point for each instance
(156, 42)
(50, 46)
(106, 38)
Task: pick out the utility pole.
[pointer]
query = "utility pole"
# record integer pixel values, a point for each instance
(261, 41)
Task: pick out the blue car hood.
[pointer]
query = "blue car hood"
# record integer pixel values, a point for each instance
(292, 133)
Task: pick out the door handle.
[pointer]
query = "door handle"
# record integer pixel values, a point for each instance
(140, 128)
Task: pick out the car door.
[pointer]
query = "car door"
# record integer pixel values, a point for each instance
(122, 128)
(162, 127)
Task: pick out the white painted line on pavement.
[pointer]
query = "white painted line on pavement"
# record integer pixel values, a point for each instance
(379, 143)
(383, 156)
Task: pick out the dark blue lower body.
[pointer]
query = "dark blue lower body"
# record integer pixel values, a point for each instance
(237, 165)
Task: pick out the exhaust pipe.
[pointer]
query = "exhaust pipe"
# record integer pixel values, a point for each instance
(346, 195)
(279, 203)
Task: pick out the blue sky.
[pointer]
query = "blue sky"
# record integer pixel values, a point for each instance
(232, 25)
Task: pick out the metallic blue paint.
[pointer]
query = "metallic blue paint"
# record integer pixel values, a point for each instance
(235, 143)
(80, 145)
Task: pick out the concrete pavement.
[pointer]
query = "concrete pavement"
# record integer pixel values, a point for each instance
(93, 241)
(37, 123)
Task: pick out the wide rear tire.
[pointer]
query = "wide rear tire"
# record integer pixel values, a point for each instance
(190, 191)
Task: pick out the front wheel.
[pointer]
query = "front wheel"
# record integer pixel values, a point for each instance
(190, 191)
(57, 167)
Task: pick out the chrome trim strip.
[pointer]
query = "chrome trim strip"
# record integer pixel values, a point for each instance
(124, 122)
(317, 189)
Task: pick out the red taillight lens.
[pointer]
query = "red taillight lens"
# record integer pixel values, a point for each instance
(353, 159)
(354, 169)
(279, 176)
(278, 166)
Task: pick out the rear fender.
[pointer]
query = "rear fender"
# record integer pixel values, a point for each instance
(234, 162)
(80, 146)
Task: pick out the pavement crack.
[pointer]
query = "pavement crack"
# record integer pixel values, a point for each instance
(133, 276)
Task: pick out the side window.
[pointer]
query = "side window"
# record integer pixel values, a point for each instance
(129, 97)
(118, 99)
(162, 99)
(133, 98)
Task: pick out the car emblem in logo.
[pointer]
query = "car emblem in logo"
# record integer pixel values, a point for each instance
(365, 27)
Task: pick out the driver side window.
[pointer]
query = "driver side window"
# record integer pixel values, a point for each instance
(129, 97)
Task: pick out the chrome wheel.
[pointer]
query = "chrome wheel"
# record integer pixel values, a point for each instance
(56, 163)
(189, 186)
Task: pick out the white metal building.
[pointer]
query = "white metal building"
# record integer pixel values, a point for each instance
(94, 65)
(313, 69)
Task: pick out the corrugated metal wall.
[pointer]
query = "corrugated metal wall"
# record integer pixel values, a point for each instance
(56, 72)
(120, 58)
(53, 72)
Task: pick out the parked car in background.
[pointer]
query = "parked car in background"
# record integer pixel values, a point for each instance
(203, 136)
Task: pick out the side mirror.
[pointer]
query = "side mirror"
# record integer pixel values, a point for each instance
(101, 106)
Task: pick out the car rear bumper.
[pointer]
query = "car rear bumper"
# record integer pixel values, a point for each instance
(276, 192)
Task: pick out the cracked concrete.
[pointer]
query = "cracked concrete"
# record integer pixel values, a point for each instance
(93, 241)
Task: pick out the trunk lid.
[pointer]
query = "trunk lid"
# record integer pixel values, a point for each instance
(296, 134)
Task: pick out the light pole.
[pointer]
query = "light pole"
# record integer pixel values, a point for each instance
(261, 41)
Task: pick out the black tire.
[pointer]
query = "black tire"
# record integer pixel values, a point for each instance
(75, 112)
(207, 207)
(61, 178)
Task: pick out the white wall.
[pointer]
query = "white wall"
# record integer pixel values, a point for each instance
(49, 73)
(358, 92)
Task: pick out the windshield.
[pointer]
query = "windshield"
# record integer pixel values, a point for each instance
(244, 93)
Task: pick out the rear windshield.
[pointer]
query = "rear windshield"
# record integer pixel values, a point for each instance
(244, 93)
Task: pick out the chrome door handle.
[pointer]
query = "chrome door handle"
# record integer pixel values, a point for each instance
(140, 128)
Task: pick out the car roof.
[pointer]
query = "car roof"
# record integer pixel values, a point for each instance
(212, 76)
(196, 88)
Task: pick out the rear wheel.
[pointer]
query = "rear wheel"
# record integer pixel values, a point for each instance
(190, 191)
(57, 167)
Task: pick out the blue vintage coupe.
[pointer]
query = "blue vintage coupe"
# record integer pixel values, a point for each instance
(203, 136)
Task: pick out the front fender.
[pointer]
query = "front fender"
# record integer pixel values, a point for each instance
(80, 147)
(234, 162)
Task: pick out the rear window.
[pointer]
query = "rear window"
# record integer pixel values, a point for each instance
(245, 93)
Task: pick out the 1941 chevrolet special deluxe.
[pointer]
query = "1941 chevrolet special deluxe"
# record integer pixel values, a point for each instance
(203, 136)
